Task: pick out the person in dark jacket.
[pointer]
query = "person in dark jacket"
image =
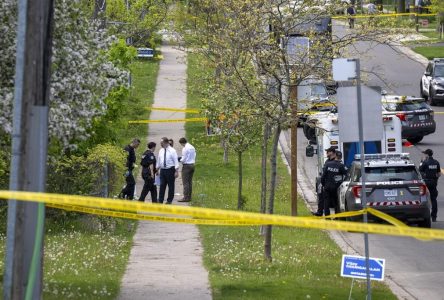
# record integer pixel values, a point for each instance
(332, 176)
(148, 163)
(351, 12)
(431, 170)
(128, 191)
(331, 155)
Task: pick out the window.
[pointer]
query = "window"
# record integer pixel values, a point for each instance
(405, 106)
(388, 173)
(318, 90)
(439, 71)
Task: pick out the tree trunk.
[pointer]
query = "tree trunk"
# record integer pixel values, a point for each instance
(264, 169)
(240, 202)
(273, 161)
(224, 145)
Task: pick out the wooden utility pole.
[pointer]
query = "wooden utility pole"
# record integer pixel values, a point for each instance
(29, 149)
(294, 147)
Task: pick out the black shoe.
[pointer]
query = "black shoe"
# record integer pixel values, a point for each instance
(184, 200)
(169, 202)
(317, 214)
(433, 219)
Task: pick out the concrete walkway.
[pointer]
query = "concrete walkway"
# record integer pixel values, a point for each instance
(166, 259)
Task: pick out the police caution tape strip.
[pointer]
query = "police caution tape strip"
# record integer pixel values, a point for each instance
(144, 217)
(206, 213)
(188, 110)
(168, 121)
(370, 210)
(383, 16)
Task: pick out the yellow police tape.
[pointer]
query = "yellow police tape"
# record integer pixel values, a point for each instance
(168, 121)
(188, 110)
(144, 217)
(210, 215)
(383, 16)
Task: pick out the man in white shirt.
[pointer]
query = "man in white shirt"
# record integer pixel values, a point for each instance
(188, 160)
(168, 166)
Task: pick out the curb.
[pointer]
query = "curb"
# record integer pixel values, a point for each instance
(306, 190)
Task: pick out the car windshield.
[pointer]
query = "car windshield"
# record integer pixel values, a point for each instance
(405, 106)
(439, 70)
(377, 174)
(318, 90)
(388, 173)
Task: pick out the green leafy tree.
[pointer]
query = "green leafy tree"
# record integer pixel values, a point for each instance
(137, 19)
(232, 34)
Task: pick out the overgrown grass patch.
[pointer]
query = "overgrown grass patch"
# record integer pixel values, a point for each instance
(306, 263)
(430, 52)
(85, 256)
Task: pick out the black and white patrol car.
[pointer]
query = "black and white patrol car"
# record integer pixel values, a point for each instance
(432, 82)
(417, 117)
(393, 186)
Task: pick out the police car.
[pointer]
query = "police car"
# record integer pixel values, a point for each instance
(417, 118)
(393, 186)
(432, 82)
(313, 96)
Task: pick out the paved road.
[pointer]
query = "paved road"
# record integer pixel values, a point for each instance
(417, 267)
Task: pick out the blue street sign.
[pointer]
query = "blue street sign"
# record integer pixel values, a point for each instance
(354, 266)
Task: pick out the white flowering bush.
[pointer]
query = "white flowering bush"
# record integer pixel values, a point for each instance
(82, 74)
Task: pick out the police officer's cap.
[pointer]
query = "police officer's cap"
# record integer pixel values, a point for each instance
(331, 149)
(429, 152)
(338, 154)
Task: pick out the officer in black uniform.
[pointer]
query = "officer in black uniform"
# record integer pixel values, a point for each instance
(332, 176)
(430, 171)
(128, 191)
(148, 163)
(331, 155)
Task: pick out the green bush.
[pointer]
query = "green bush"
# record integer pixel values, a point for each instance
(100, 170)
(5, 161)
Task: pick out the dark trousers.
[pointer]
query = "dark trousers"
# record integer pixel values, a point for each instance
(320, 204)
(149, 187)
(433, 195)
(167, 178)
(128, 191)
(330, 199)
(187, 181)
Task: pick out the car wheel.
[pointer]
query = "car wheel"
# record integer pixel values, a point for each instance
(415, 140)
(310, 133)
(426, 223)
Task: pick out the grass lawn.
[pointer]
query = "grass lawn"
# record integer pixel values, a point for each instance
(85, 256)
(430, 52)
(306, 263)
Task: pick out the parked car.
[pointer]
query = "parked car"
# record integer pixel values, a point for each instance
(432, 82)
(393, 186)
(314, 96)
(417, 117)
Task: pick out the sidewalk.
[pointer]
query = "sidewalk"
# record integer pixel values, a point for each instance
(166, 259)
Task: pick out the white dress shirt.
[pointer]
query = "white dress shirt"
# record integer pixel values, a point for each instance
(168, 160)
(188, 154)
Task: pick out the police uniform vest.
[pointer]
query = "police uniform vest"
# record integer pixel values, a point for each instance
(430, 169)
(332, 174)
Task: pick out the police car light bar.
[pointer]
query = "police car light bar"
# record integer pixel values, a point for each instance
(439, 60)
(383, 156)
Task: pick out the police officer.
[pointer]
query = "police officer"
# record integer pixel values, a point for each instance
(331, 155)
(128, 190)
(148, 163)
(430, 171)
(332, 176)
